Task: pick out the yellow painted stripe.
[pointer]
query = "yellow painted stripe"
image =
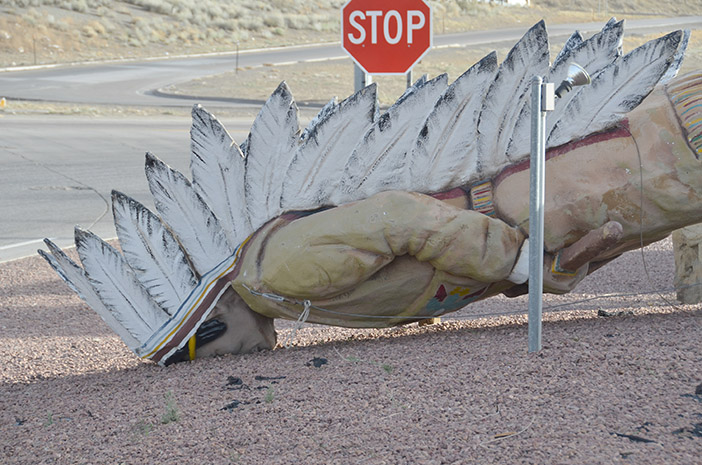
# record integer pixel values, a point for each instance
(191, 348)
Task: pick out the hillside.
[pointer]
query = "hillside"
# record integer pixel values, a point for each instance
(58, 31)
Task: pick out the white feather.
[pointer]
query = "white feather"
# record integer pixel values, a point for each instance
(323, 114)
(511, 88)
(153, 253)
(678, 58)
(616, 90)
(270, 147)
(379, 161)
(75, 277)
(317, 165)
(118, 288)
(217, 166)
(593, 54)
(445, 153)
(573, 41)
(192, 221)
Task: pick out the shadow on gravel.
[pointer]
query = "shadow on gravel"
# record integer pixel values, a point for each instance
(450, 389)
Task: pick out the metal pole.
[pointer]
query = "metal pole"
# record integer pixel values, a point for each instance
(536, 215)
(236, 70)
(360, 78)
(409, 78)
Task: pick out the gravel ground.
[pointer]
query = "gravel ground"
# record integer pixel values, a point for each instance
(604, 390)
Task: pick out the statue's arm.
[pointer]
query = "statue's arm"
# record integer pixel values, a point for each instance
(334, 250)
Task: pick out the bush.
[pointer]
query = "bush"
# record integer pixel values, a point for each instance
(154, 6)
(64, 25)
(227, 25)
(297, 21)
(251, 24)
(273, 20)
(89, 32)
(98, 27)
(81, 6)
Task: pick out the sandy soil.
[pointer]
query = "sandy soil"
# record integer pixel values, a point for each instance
(620, 389)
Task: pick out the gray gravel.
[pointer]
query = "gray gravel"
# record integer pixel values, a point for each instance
(604, 390)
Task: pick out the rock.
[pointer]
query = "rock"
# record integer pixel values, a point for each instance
(429, 321)
(317, 362)
(688, 264)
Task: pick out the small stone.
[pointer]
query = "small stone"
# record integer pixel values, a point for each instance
(317, 362)
(234, 404)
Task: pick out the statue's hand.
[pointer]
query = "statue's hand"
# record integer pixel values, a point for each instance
(564, 269)
(558, 280)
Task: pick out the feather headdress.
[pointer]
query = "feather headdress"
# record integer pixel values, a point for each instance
(175, 264)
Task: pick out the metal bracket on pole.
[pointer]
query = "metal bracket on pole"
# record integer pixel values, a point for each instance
(361, 79)
(542, 100)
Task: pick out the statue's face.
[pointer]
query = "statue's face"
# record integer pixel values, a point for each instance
(240, 330)
(232, 328)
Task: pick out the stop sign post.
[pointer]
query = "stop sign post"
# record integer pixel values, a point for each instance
(386, 37)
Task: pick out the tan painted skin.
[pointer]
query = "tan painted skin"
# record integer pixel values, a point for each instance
(599, 179)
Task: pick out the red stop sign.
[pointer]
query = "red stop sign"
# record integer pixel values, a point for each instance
(386, 37)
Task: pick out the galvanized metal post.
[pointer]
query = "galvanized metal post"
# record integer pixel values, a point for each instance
(536, 215)
(360, 78)
(409, 78)
(236, 70)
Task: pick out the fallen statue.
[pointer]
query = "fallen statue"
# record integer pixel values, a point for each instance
(373, 220)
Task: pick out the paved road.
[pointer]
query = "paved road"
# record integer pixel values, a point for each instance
(133, 83)
(58, 171)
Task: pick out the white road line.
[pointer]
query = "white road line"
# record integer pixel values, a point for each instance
(20, 244)
(281, 63)
(317, 60)
(311, 60)
(165, 57)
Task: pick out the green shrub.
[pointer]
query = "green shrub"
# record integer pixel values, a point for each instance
(274, 20)
(251, 24)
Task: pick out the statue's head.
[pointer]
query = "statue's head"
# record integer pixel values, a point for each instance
(231, 328)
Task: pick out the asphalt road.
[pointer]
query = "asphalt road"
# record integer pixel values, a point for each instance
(58, 171)
(134, 83)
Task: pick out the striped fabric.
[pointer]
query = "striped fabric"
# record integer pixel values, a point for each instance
(686, 95)
(176, 332)
(481, 198)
